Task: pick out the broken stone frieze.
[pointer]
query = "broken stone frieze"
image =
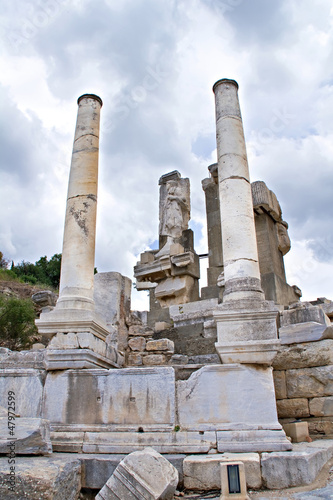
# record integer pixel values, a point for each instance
(142, 474)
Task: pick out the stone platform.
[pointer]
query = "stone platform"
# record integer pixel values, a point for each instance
(199, 472)
(227, 408)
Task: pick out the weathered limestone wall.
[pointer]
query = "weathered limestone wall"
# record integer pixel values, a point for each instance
(303, 369)
(119, 410)
(303, 377)
(112, 296)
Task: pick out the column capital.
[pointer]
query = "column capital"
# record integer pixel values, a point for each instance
(224, 80)
(90, 96)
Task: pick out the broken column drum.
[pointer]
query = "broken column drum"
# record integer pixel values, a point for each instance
(78, 254)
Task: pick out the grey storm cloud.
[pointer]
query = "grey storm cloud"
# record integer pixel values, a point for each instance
(21, 142)
(254, 21)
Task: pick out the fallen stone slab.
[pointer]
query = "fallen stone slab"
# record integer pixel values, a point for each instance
(295, 468)
(42, 478)
(202, 472)
(30, 436)
(321, 494)
(142, 474)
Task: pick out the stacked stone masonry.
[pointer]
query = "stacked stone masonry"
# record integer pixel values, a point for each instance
(144, 351)
(303, 377)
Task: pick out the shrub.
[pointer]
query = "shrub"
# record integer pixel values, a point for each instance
(3, 262)
(17, 323)
(7, 275)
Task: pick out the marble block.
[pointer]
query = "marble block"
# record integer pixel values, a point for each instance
(126, 398)
(238, 402)
(27, 386)
(202, 472)
(31, 436)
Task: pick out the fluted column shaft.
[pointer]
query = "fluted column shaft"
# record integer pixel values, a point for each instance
(240, 253)
(78, 254)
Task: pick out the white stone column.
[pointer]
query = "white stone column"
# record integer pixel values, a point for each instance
(78, 254)
(246, 322)
(74, 312)
(240, 253)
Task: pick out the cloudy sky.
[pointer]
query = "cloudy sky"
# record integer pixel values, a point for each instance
(153, 62)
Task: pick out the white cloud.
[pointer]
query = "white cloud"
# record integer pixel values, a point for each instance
(154, 64)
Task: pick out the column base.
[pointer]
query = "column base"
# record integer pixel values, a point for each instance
(250, 352)
(71, 321)
(66, 359)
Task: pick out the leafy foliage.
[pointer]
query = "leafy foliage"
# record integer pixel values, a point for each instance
(17, 323)
(3, 262)
(43, 271)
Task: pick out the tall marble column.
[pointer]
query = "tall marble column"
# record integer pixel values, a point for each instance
(246, 323)
(78, 253)
(240, 254)
(74, 312)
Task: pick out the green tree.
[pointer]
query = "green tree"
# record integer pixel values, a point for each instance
(17, 323)
(3, 262)
(53, 269)
(44, 271)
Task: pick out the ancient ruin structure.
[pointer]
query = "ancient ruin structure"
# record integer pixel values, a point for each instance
(272, 240)
(172, 272)
(200, 376)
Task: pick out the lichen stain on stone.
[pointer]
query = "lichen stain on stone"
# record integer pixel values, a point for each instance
(92, 197)
(80, 217)
(77, 406)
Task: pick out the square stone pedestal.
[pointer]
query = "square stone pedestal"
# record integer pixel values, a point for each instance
(247, 332)
(76, 340)
(65, 359)
(236, 401)
(62, 320)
